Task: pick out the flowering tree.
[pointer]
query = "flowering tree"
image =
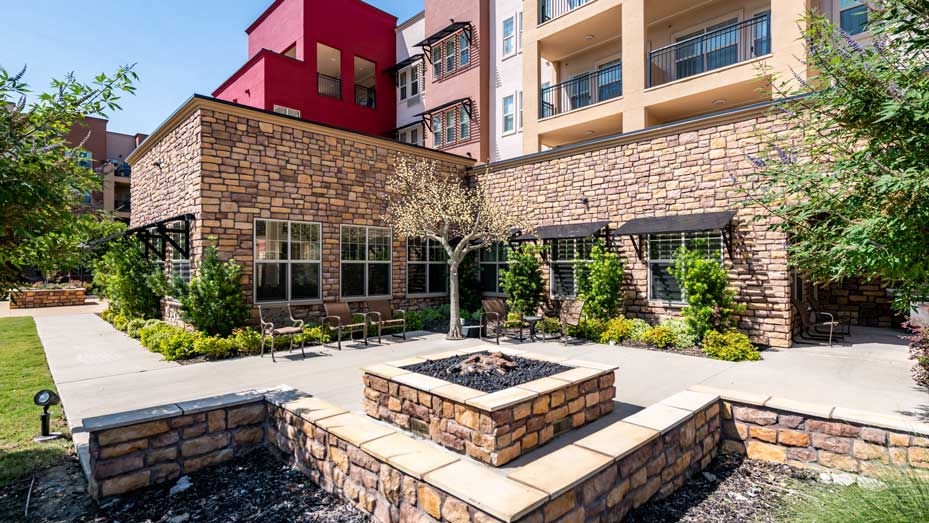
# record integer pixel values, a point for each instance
(849, 181)
(423, 203)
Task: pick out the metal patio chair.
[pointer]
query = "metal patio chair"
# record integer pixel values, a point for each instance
(571, 315)
(817, 326)
(278, 320)
(382, 314)
(340, 319)
(494, 312)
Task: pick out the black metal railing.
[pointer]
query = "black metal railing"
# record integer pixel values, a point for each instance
(329, 86)
(551, 9)
(122, 204)
(364, 96)
(726, 46)
(581, 91)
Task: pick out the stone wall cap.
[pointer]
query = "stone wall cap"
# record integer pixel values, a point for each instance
(385, 371)
(456, 392)
(544, 385)
(409, 455)
(420, 381)
(557, 472)
(800, 407)
(312, 409)
(501, 399)
(618, 439)
(659, 417)
(219, 402)
(740, 396)
(690, 400)
(579, 374)
(544, 357)
(280, 395)
(884, 421)
(477, 485)
(443, 355)
(589, 364)
(405, 362)
(354, 429)
(132, 417)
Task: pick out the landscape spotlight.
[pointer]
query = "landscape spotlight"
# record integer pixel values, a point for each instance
(45, 399)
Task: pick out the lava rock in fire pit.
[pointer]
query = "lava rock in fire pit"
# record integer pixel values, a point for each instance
(488, 372)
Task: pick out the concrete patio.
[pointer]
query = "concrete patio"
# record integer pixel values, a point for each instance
(99, 371)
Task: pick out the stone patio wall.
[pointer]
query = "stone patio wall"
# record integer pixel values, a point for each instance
(172, 441)
(36, 298)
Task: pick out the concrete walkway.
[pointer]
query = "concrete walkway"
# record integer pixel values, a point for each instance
(99, 370)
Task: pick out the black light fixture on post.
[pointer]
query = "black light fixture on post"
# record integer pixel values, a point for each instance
(45, 399)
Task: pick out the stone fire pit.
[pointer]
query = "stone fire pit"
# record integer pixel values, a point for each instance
(522, 401)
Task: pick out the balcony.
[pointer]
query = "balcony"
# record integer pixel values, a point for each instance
(329, 86)
(122, 204)
(551, 9)
(715, 49)
(581, 91)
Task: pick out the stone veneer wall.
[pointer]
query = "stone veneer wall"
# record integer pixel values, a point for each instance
(865, 303)
(230, 166)
(137, 455)
(36, 298)
(494, 437)
(685, 172)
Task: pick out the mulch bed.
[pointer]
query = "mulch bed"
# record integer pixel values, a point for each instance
(733, 489)
(527, 370)
(688, 351)
(253, 488)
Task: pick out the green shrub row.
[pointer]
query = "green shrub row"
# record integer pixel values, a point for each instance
(178, 343)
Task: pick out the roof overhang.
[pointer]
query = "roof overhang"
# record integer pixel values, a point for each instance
(707, 221)
(442, 34)
(565, 231)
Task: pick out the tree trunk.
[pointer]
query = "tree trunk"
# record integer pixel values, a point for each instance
(454, 316)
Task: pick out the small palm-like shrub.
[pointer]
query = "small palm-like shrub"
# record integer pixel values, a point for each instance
(729, 346)
(600, 281)
(522, 280)
(901, 498)
(704, 280)
(660, 336)
(213, 300)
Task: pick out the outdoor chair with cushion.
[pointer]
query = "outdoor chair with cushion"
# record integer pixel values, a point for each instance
(278, 320)
(340, 319)
(571, 315)
(382, 314)
(494, 313)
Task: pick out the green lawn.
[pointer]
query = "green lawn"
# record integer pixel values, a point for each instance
(23, 372)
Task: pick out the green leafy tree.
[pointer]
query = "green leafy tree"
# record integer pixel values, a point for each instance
(124, 277)
(848, 180)
(212, 301)
(704, 281)
(41, 181)
(522, 280)
(65, 248)
(600, 283)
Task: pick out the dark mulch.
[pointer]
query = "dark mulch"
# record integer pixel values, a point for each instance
(527, 370)
(687, 351)
(734, 490)
(253, 488)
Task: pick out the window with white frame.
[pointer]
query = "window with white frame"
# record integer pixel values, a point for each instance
(509, 114)
(450, 126)
(427, 267)
(464, 124)
(662, 286)
(414, 80)
(509, 36)
(449, 55)
(853, 16)
(280, 109)
(493, 262)
(520, 119)
(288, 261)
(519, 39)
(180, 264)
(437, 65)
(365, 261)
(401, 80)
(437, 130)
(569, 255)
(464, 50)
(410, 136)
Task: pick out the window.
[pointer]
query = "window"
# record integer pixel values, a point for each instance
(464, 56)
(328, 71)
(427, 267)
(661, 249)
(437, 130)
(853, 16)
(288, 260)
(450, 126)
(401, 79)
(509, 117)
(414, 136)
(568, 255)
(520, 109)
(450, 55)
(519, 40)
(492, 263)
(437, 67)
(464, 124)
(180, 265)
(365, 83)
(414, 80)
(280, 109)
(365, 261)
(410, 136)
(509, 36)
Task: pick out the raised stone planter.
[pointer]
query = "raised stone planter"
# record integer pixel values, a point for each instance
(36, 298)
(494, 428)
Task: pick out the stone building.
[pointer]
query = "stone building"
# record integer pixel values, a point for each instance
(300, 205)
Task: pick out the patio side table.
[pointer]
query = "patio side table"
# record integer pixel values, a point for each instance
(533, 321)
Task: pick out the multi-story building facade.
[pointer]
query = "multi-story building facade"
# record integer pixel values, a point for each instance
(105, 152)
(321, 61)
(409, 73)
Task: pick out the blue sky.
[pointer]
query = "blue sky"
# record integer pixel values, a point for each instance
(181, 46)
